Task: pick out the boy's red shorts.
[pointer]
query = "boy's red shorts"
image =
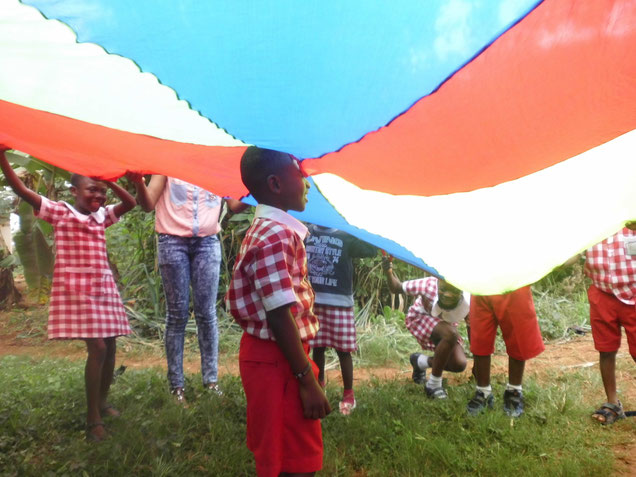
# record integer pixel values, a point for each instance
(514, 313)
(607, 315)
(278, 434)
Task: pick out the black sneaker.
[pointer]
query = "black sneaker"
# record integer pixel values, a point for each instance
(513, 402)
(419, 376)
(436, 393)
(479, 402)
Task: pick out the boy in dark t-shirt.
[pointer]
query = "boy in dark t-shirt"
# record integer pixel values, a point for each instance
(329, 254)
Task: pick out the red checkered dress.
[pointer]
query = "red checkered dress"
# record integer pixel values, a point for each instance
(337, 328)
(271, 271)
(611, 268)
(85, 302)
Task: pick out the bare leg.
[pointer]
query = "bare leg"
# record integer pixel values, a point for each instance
(346, 367)
(318, 355)
(607, 363)
(482, 370)
(449, 355)
(107, 377)
(515, 371)
(92, 378)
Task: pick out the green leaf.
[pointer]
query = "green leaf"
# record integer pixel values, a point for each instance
(9, 261)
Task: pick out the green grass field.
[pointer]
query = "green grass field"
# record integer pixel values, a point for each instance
(395, 431)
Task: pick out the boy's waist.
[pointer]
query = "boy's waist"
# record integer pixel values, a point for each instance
(333, 299)
(253, 348)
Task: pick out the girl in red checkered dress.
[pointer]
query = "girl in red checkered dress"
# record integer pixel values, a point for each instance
(85, 303)
(329, 255)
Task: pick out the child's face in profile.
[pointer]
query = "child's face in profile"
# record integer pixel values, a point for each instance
(447, 295)
(89, 195)
(294, 186)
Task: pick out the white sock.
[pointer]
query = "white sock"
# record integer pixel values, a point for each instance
(434, 382)
(513, 387)
(487, 390)
(422, 362)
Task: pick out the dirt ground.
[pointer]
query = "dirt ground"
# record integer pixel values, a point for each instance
(559, 358)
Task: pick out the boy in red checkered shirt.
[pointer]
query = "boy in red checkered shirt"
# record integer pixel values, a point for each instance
(271, 298)
(432, 320)
(611, 264)
(85, 303)
(330, 254)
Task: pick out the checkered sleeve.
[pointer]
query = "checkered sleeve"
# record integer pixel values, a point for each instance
(424, 287)
(273, 273)
(51, 211)
(111, 218)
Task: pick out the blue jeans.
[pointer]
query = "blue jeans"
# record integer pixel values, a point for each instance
(184, 261)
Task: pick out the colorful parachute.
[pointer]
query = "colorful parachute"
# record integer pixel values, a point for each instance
(483, 141)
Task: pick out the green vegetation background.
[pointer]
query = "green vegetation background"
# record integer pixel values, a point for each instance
(394, 431)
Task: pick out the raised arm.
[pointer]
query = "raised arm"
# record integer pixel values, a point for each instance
(361, 249)
(236, 206)
(395, 285)
(281, 322)
(147, 196)
(127, 203)
(16, 184)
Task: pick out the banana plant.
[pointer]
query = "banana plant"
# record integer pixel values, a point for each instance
(9, 294)
(34, 240)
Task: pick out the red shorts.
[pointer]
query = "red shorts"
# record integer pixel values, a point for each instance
(607, 315)
(278, 434)
(515, 314)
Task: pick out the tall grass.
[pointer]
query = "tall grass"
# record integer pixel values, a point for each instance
(395, 431)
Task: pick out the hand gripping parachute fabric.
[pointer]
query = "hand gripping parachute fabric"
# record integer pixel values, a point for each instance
(485, 142)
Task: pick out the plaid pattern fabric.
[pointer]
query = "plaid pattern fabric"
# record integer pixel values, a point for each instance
(418, 319)
(337, 328)
(611, 268)
(271, 271)
(85, 302)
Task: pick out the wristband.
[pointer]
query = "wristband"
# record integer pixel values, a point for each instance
(304, 372)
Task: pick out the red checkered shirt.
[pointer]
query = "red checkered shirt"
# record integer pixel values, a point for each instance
(425, 289)
(270, 272)
(418, 319)
(612, 268)
(85, 302)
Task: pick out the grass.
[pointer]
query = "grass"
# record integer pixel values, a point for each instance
(395, 431)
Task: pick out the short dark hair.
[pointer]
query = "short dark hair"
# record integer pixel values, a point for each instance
(257, 164)
(77, 179)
